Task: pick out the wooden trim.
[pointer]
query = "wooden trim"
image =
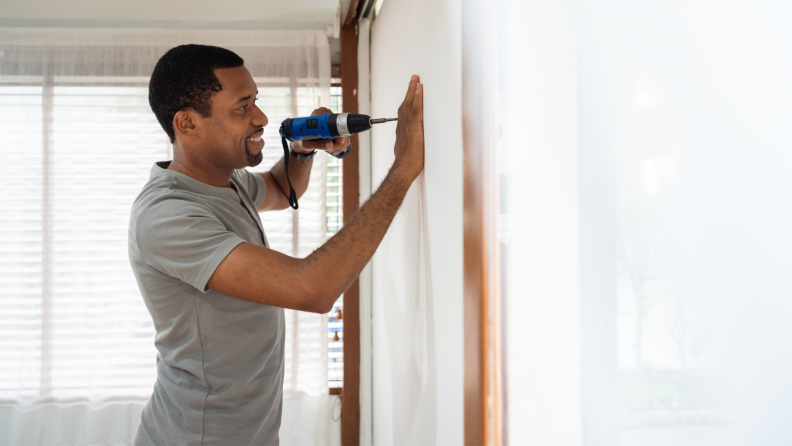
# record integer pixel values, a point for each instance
(474, 266)
(335, 391)
(350, 394)
(351, 14)
(482, 360)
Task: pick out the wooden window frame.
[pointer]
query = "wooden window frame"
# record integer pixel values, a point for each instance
(350, 390)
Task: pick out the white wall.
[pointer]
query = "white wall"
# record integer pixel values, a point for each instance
(417, 271)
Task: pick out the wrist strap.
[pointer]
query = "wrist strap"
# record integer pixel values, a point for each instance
(302, 156)
(286, 151)
(292, 194)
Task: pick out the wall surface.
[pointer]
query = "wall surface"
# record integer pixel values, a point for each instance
(417, 271)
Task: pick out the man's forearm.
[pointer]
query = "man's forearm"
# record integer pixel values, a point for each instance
(336, 264)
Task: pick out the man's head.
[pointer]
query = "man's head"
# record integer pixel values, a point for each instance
(204, 97)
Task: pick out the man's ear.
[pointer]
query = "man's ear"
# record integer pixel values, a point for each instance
(184, 123)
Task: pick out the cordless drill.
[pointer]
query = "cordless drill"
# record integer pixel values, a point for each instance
(330, 126)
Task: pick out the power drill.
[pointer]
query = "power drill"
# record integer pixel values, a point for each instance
(322, 127)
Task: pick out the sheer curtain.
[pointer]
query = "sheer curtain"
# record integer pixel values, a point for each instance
(77, 139)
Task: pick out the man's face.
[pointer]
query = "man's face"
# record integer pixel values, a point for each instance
(234, 132)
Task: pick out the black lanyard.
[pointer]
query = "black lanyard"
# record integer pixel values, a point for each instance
(292, 194)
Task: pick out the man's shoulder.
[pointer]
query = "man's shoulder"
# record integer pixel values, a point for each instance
(153, 195)
(163, 211)
(161, 201)
(163, 191)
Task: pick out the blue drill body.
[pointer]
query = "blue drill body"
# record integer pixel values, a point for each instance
(312, 127)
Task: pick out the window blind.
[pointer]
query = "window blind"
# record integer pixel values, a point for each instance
(75, 152)
(335, 220)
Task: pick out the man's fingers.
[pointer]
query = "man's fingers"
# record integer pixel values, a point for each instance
(315, 144)
(321, 111)
(417, 106)
(339, 145)
(408, 98)
(329, 145)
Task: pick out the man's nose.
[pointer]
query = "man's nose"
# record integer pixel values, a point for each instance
(259, 118)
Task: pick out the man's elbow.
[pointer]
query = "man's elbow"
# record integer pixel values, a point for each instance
(318, 308)
(317, 301)
(312, 291)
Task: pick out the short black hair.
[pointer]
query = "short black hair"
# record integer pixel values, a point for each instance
(184, 79)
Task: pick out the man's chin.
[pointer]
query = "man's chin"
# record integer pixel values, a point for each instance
(253, 160)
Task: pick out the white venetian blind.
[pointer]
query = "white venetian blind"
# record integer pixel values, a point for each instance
(335, 203)
(75, 152)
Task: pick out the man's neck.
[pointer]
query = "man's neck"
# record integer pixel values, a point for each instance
(211, 175)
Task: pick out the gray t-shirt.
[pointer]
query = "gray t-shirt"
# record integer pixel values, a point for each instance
(220, 359)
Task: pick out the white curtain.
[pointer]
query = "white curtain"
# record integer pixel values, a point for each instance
(77, 140)
(645, 219)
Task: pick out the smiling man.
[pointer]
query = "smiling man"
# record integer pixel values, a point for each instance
(212, 285)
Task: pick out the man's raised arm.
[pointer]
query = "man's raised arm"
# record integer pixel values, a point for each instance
(313, 284)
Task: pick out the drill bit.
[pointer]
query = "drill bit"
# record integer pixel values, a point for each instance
(381, 120)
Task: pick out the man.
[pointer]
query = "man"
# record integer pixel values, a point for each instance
(215, 290)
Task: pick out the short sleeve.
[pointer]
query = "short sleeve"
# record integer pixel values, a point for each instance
(182, 239)
(254, 184)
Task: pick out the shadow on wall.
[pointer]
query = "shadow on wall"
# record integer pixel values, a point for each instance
(409, 316)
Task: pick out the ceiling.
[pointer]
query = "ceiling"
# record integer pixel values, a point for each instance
(316, 13)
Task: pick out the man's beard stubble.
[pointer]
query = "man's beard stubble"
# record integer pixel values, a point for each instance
(253, 160)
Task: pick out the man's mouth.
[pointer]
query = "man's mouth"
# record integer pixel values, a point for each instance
(256, 141)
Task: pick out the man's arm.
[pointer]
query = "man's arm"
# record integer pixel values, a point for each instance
(277, 197)
(313, 284)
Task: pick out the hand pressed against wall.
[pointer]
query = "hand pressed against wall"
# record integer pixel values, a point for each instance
(409, 148)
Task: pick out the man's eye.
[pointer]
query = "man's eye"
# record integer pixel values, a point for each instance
(245, 106)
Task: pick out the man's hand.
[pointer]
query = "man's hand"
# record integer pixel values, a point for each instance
(333, 147)
(409, 148)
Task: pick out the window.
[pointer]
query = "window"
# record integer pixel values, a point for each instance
(74, 154)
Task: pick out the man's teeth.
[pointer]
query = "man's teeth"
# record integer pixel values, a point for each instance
(254, 139)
